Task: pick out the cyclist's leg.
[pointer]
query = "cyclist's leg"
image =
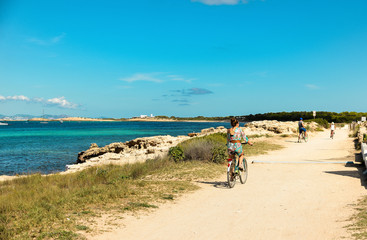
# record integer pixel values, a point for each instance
(233, 157)
(239, 152)
(240, 164)
(305, 131)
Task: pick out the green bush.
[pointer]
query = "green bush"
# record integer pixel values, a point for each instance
(354, 132)
(176, 153)
(322, 122)
(220, 154)
(211, 148)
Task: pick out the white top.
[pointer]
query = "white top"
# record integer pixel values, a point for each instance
(332, 127)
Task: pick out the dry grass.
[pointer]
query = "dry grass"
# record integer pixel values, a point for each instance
(261, 147)
(28, 205)
(59, 206)
(359, 227)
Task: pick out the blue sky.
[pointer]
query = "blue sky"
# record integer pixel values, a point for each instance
(182, 57)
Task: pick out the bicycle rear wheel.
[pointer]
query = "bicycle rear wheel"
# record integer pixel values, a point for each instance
(231, 177)
(244, 172)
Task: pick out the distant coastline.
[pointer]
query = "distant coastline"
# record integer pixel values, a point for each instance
(135, 119)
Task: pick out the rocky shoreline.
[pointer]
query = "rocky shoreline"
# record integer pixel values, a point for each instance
(136, 150)
(142, 149)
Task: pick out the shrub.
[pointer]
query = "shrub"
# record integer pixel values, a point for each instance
(210, 148)
(354, 132)
(176, 153)
(322, 122)
(220, 154)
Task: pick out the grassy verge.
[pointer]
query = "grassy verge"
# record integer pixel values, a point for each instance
(50, 207)
(59, 206)
(359, 227)
(261, 147)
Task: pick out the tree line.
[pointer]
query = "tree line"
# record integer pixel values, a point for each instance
(343, 117)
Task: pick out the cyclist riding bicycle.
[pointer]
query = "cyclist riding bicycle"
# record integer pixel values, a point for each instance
(302, 128)
(234, 135)
(332, 128)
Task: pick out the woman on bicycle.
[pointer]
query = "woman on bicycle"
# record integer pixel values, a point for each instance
(332, 128)
(234, 135)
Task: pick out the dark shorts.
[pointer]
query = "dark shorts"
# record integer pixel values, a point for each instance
(302, 130)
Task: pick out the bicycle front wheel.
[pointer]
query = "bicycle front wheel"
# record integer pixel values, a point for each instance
(244, 172)
(231, 178)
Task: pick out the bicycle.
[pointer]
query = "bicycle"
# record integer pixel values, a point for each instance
(233, 172)
(302, 137)
(332, 134)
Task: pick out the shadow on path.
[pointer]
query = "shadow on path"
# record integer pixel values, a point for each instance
(216, 184)
(357, 172)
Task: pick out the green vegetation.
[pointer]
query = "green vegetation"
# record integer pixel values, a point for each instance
(322, 122)
(354, 133)
(211, 148)
(45, 207)
(176, 153)
(343, 117)
(359, 228)
(63, 206)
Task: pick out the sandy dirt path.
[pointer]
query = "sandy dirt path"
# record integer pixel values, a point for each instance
(292, 200)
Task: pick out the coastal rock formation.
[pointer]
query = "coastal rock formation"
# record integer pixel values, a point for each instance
(275, 127)
(141, 149)
(137, 150)
(207, 131)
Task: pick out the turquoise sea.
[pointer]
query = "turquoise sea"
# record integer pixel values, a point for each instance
(29, 147)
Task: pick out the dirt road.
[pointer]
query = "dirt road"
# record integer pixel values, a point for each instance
(299, 193)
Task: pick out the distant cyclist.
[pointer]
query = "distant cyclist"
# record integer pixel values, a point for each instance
(332, 128)
(302, 128)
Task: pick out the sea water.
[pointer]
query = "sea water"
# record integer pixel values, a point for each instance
(29, 147)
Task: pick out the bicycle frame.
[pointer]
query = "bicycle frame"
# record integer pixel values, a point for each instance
(229, 160)
(233, 173)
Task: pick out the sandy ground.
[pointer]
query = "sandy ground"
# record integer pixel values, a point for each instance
(292, 200)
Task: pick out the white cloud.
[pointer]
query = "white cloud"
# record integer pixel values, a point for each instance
(47, 42)
(61, 102)
(150, 77)
(157, 77)
(221, 2)
(15, 98)
(176, 77)
(312, 86)
(180, 78)
(58, 102)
